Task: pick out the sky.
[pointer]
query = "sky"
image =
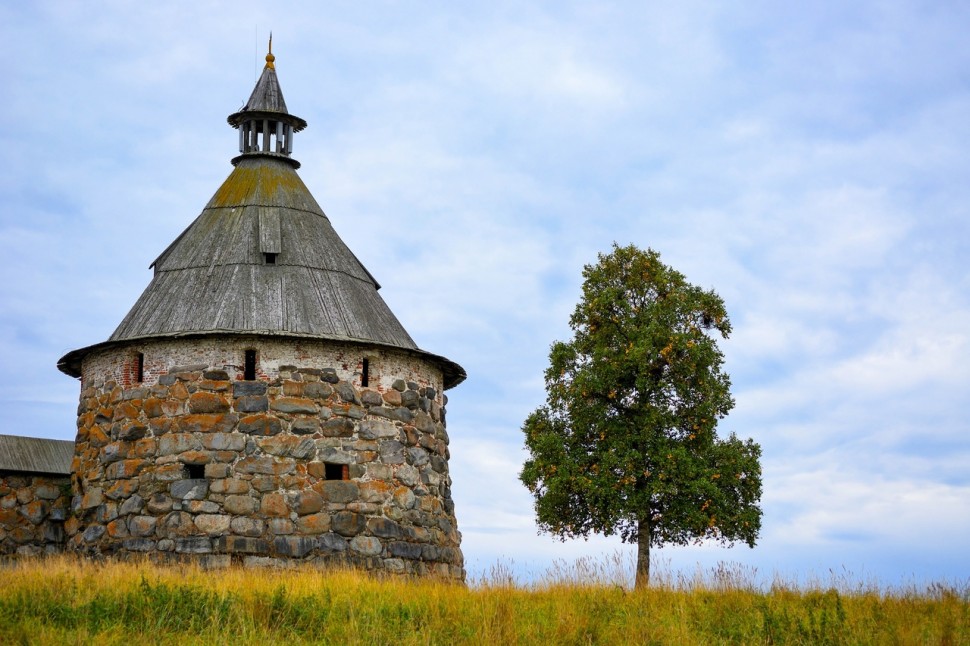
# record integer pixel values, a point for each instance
(807, 161)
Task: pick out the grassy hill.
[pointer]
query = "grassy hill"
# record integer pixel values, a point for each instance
(63, 600)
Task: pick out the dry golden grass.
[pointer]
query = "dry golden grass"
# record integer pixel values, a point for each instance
(66, 601)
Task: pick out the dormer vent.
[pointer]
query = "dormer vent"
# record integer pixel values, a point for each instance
(270, 236)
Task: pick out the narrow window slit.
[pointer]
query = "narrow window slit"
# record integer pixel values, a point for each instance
(195, 471)
(140, 367)
(249, 368)
(336, 471)
(364, 373)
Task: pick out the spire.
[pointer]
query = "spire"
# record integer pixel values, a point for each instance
(265, 126)
(270, 59)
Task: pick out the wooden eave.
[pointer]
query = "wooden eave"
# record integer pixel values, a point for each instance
(71, 363)
(237, 118)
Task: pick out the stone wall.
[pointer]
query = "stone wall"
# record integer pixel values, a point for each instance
(302, 463)
(33, 509)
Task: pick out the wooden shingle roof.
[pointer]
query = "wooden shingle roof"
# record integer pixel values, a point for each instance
(35, 455)
(263, 259)
(215, 278)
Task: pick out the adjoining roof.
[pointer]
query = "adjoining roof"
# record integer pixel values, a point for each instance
(263, 259)
(35, 455)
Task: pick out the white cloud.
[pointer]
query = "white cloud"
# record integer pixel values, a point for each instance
(849, 506)
(543, 68)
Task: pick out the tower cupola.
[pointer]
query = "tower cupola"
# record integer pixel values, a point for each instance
(265, 127)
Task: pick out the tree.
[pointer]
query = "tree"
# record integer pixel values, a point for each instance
(626, 442)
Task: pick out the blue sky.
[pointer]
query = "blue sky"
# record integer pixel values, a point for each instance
(809, 163)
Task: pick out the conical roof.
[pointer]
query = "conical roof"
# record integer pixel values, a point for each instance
(262, 259)
(215, 276)
(267, 96)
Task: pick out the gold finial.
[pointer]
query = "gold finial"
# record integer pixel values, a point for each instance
(269, 57)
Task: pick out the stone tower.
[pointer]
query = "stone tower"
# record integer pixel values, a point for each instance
(260, 402)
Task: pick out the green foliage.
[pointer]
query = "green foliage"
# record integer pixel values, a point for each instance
(626, 442)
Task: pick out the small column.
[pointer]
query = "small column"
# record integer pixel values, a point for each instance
(289, 139)
(265, 135)
(279, 136)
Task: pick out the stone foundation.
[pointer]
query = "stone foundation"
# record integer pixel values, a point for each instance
(33, 509)
(301, 464)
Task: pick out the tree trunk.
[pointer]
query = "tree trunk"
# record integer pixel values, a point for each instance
(643, 553)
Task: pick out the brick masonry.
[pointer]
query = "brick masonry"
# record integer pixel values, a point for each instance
(304, 463)
(227, 353)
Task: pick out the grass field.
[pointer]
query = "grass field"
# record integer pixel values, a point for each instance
(66, 601)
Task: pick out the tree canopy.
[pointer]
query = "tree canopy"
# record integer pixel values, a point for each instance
(626, 443)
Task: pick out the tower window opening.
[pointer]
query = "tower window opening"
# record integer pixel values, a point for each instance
(336, 471)
(195, 471)
(270, 258)
(252, 137)
(249, 367)
(140, 367)
(365, 372)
